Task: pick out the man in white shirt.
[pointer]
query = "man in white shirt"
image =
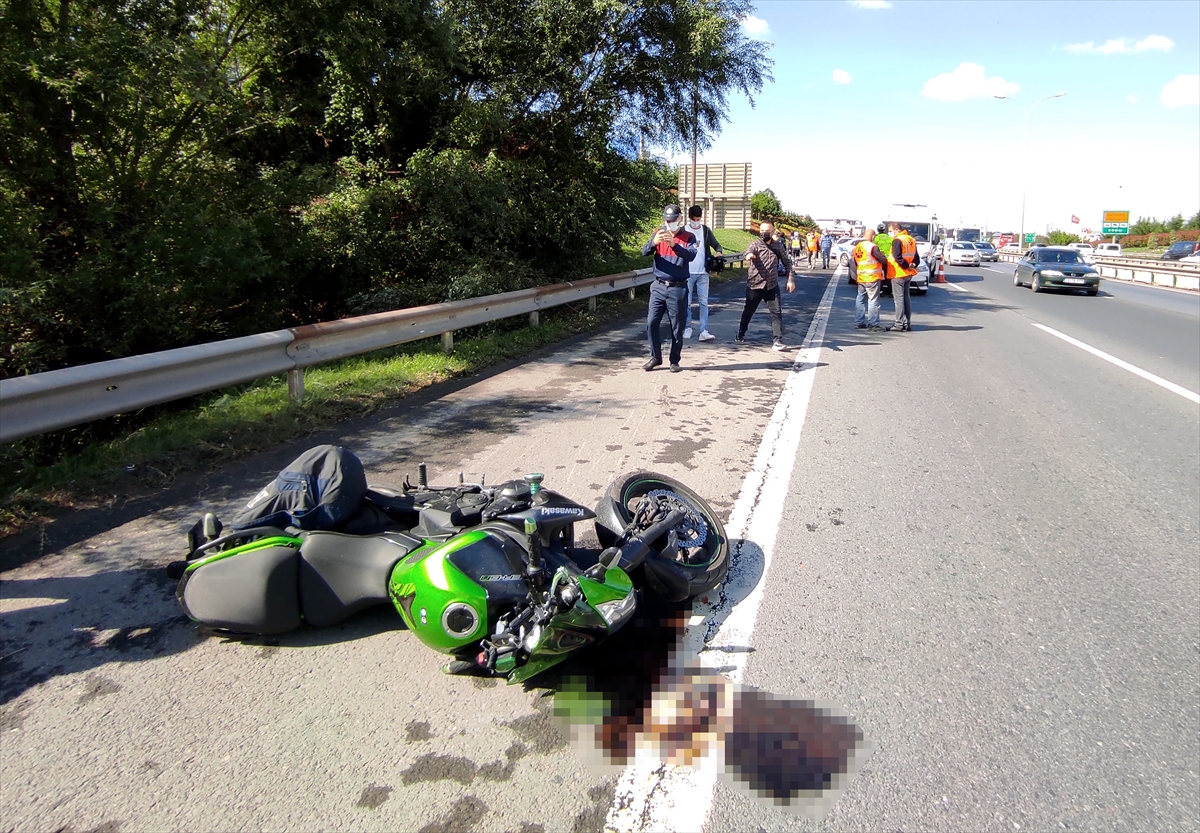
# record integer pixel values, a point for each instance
(698, 271)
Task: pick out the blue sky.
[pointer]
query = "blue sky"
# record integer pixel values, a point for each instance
(869, 89)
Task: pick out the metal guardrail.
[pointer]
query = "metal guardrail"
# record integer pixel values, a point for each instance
(42, 402)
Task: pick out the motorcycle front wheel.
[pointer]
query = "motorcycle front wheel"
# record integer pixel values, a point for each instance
(698, 568)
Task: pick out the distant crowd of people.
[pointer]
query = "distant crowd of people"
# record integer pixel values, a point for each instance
(684, 255)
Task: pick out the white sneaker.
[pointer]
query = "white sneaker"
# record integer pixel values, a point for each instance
(705, 335)
(687, 333)
(778, 346)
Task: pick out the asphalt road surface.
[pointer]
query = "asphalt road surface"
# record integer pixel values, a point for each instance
(981, 543)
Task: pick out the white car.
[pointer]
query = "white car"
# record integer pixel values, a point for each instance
(1086, 251)
(1108, 249)
(840, 253)
(960, 253)
(1190, 259)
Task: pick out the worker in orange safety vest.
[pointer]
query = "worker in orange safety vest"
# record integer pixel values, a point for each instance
(868, 266)
(903, 260)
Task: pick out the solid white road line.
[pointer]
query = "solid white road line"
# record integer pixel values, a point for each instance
(658, 797)
(949, 285)
(1124, 365)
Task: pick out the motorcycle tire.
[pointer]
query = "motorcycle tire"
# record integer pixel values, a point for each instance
(671, 579)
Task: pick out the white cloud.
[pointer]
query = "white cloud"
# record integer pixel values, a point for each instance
(1184, 91)
(1132, 99)
(870, 4)
(754, 26)
(840, 76)
(1159, 43)
(967, 81)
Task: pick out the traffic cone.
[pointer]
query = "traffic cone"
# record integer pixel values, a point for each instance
(941, 278)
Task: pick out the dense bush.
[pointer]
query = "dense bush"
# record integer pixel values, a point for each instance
(176, 172)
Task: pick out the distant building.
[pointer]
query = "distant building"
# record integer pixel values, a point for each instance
(724, 191)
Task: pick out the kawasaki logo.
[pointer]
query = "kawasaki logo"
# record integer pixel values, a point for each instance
(500, 578)
(561, 510)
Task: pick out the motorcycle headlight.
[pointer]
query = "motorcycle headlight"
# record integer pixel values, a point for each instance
(617, 610)
(1051, 273)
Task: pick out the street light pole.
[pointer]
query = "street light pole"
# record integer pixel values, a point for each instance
(1025, 160)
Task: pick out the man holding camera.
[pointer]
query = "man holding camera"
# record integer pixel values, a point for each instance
(673, 248)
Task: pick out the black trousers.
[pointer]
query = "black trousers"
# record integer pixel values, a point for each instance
(771, 296)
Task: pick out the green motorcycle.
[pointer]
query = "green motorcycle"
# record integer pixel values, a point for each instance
(487, 575)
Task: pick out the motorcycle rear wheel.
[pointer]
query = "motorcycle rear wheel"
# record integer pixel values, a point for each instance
(705, 570)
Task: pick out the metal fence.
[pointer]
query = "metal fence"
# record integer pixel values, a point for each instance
(42, 402)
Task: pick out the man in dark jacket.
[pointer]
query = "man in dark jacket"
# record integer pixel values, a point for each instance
(673, 248)
(763, 257)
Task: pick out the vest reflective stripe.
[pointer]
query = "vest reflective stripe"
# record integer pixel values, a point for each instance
(908, 251)
(869, 269)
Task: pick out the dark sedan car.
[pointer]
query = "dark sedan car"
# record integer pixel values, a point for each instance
(1181, 249)
(1056, 267)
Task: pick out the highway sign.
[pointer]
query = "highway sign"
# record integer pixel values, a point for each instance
(1115, 222)
(1030, 236)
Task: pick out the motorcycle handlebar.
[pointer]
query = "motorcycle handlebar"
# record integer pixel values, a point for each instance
(634, 552)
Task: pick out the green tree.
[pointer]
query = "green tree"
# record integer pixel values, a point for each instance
(1194, 222)
(1062, 238)
(173, 171)
(765, 205)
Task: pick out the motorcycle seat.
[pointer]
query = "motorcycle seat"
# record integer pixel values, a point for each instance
(342, 574)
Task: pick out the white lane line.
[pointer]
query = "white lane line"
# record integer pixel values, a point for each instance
(1124, 365)
(657, 797)
(949, 285)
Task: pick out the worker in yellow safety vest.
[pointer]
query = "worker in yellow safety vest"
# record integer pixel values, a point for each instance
(867, 268)
(812, 248)
(903, 260)
(883, 240)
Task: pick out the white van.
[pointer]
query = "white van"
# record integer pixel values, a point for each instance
(1108, 249)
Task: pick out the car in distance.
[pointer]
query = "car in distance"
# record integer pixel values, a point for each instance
(840, 253)
(1108, 249)
(961, 253)
(1056, 267)
(1181, 249)
(987, 251)
(1086, 250)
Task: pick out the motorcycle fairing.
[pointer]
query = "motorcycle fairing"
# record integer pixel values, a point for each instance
(580, 626)
(428, 589)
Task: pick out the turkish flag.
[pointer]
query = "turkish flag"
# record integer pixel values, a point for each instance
(1074, 219)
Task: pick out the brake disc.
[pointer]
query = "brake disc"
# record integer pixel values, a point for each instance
(692, 531)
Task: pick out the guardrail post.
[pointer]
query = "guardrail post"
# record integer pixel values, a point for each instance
(592, 304)
(295, 378)
(534, 320)
(448, 342)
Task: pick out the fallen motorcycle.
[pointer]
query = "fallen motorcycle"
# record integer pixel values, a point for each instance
(485, 574)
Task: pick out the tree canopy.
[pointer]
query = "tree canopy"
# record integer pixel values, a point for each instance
(174, 171)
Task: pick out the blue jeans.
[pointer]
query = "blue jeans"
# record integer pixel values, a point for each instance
(670, 301)
(866, 305)
(698, 286)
